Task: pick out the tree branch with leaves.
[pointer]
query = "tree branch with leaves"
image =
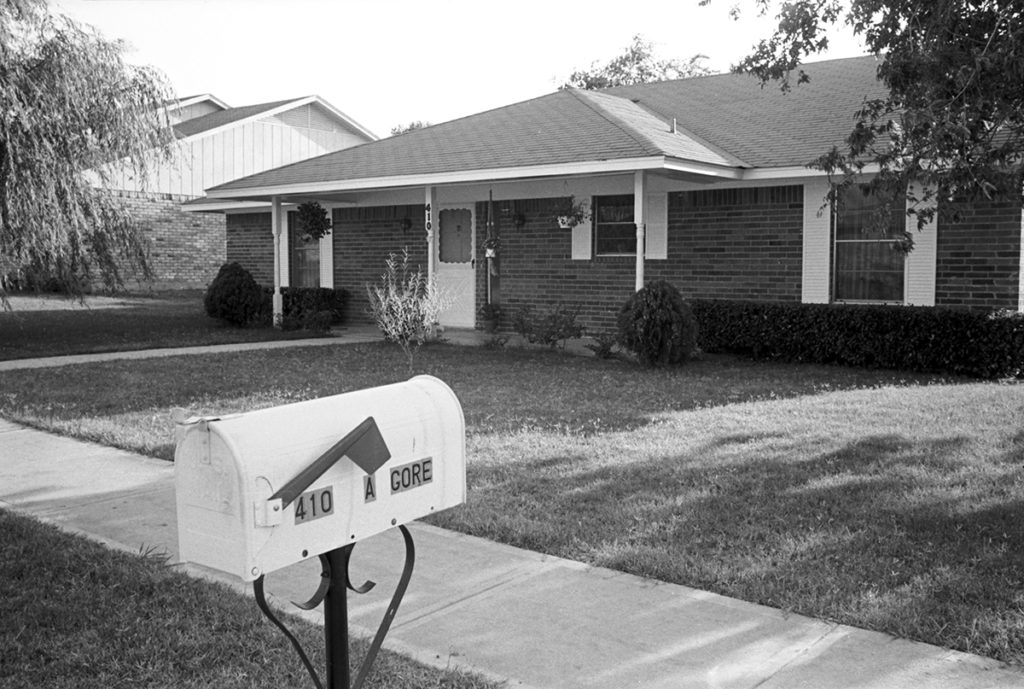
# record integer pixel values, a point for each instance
(952, 124)
(637, 65)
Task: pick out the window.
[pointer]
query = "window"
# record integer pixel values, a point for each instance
(304, 256)
(869, 263)
(614, 229)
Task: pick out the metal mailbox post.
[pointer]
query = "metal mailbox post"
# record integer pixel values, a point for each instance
(262, 490)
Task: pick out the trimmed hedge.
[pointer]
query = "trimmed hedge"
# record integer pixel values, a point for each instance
(924, 339)
(303, 306)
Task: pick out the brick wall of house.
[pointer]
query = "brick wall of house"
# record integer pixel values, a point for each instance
(978, 258)
(735, 244)
(251, 243)
(185, 249)
(363, 238)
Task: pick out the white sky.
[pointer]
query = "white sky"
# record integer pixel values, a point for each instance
(388, 62)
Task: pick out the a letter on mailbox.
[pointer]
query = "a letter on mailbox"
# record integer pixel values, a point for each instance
(261, 490)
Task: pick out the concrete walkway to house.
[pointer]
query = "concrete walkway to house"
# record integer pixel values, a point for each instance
(535, 620)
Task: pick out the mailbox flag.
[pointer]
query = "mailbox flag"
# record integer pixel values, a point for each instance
(364, 445)
(369, 452)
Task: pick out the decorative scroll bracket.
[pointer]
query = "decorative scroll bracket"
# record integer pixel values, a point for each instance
(333, 593)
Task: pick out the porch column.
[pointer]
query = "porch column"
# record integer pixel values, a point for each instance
(428, 224)
(276, 226)
(638, 219)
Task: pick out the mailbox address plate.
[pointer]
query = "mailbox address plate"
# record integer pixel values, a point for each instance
(314, 504)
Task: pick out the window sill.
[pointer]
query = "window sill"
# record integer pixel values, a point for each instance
(868, 302)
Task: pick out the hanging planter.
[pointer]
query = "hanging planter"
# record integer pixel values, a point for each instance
(572, 213)
(314, 223)
(491, 245)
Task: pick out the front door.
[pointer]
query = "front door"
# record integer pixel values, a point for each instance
(456, 274)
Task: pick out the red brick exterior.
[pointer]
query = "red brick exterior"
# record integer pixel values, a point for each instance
(363, 238)
(250, 241)
(978, 258)
(185, 249)
(725, 243)
(722, 243)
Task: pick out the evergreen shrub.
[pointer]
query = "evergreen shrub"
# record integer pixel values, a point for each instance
(658, 326)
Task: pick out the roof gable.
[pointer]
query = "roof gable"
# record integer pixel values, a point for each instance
(764, 126)
(221, 118)
(315, 112)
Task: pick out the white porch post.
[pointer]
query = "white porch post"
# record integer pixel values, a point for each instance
(428, 225)
(276, 222)
(638, 219)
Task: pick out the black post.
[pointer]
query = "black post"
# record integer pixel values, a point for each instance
(336, 619)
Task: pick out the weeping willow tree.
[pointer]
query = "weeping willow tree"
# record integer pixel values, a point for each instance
(72, 114)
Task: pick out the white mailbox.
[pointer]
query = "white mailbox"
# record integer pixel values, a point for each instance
(264, 489)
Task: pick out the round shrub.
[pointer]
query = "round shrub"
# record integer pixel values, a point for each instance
(234, 296)
(658, 326)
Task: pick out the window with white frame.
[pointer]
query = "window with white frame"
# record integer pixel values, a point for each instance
(614, 227)
(869, 262)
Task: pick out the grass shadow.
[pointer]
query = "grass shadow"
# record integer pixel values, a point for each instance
(887, 532)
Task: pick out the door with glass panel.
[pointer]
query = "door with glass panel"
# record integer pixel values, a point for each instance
(456, 265)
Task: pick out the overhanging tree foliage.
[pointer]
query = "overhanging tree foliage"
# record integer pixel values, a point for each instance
(637, 65)
(411, 127)
(952, 126)
(71, 113)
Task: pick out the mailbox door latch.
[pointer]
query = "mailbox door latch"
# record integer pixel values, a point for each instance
(269, 512)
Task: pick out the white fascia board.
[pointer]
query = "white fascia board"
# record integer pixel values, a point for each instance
(795, 171)
(349, 122)
(705, 169)
(593, 167)
(225, 206)
(198, 99)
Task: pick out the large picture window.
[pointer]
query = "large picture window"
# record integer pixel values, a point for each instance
(614, 229)
(869, 264)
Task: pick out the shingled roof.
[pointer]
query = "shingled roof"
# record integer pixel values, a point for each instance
(723, 121)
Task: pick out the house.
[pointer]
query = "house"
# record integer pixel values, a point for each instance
(214, 144)
(707, 175)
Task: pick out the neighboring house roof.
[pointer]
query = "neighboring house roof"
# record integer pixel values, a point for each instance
(214, 120)
(185, 101)
(233, 116)
(726, 122)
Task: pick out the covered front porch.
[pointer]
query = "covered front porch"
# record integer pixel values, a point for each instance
(489, 240)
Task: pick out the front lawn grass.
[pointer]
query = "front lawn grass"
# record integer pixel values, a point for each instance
(882, 500)
(76, 614)
(57, 326)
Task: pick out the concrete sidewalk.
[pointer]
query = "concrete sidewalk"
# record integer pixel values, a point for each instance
(535, 620)
(344, 336)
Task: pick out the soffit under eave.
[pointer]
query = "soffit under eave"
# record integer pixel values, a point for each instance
(352, 188)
